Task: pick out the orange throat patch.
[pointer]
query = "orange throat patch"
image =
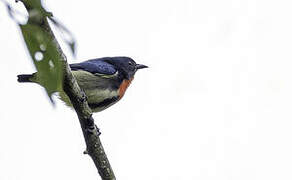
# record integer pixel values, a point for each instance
(123, 87)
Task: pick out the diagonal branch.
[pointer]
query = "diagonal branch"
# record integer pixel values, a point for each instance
(78, 99)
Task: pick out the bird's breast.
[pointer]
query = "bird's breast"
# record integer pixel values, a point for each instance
(123, 87)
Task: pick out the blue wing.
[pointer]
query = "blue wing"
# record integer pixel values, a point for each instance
(95, 66)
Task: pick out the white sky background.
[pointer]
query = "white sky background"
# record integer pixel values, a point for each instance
(215, 104)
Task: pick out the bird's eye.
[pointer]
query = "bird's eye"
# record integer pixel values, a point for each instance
(130, 63)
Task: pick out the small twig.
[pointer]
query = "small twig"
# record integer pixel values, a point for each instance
(66, 36)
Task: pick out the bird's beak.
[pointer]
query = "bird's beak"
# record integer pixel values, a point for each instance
(140, 66)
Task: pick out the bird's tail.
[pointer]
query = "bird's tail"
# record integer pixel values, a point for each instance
(25, 78)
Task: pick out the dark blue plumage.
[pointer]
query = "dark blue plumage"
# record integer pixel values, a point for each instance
(93, 66)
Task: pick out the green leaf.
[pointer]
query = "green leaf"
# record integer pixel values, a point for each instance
(45, 56)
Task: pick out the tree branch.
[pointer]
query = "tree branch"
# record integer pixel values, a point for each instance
(78, 99)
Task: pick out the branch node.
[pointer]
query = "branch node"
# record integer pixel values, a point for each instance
(93, 130)
(49, 14)
(84, 97)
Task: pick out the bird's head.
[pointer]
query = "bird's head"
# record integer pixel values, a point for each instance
(127, 66)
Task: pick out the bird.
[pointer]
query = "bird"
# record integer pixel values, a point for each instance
(103, 80)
